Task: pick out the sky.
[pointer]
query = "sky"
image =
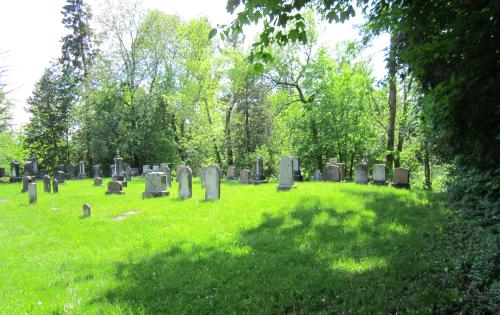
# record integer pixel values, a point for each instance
(31, 30)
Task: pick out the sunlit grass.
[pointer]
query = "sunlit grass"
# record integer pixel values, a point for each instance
(322, 247)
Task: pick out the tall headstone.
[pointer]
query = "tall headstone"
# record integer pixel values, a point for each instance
(32, 192)
(70, 172)
(401, 178)
(128, 173)
(331, 173)
(60, 177)
(46, 184)
(297, 175)
(34, 166)
(212, 182)
(361, 173)
(97, 170)
(118, 167)
(81, 170)
(115, 188)
(185, 179)
(379, 171)
(156, 185)
(287, 174)
(98, 181)
(231, 170)
(26, 181)
(86, 210)
(55, 186)
(244, 176)
(318, 177)
(111, 170)
(15, 176)
(258, 172)
(28, 168)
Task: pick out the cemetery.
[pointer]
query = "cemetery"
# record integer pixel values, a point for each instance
(249, 157)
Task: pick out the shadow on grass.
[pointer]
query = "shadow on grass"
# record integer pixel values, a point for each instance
(311, 259)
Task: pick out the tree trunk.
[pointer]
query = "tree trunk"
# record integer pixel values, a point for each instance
(229, 143)
(392, 104)
(427, 169)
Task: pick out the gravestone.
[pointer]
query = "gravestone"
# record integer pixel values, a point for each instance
(134, 171)
(46, 184)
(15, 176)
(145, 169)
(156, 185)
(115, 188)
(2, 172)
(166, 170)
(203, 176)
(401, 178)
(32, 192)
(34, 167)
(98, 181)
(212, 182)
(26, 181)
(111, 170)
(231, 170)
(81, 170)
(342, 170)
(185, 179)
(156, 168)
(177, 170)
(287, 174)
(70, 172)
(379, 171)
(60, 177)
(258, 172)
(28, 168)
(317, 177)
(297, 175)
(60, 167)
(86, 210)
(331, 173)
(55, 185)
(118, 167)
(41, 173)
(128, 173)
(97, 170)
(244, 177)
(361, 173)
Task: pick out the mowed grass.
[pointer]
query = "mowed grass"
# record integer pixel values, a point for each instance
(319, 248)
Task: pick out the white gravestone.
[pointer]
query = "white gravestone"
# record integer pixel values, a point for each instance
(286, 174)
(212, 182)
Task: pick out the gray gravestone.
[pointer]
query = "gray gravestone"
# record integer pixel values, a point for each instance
(115, 187)
(177, 170)
(378, 175)
(166, 170)
(145, 169)
(361, 173)
(231, 171)
(81, 170)
(318, 177)
(156, 168)
(212, 182)
(15, 176)
(60, 177)
(342, 170)
(98, 181)
(26, 181)
(156, 185)
(55, 186)
(244, 177)
(86, 210)
(331, 173)
(32, 192)
(128, 173)
(185, 179)
(46, 183)
(258, 172)
(60, 167)
(401, 178)
(118, 167)
(286, 174)
(28, 168)
(203, 176)
(97, 170)
(134, 171)
(34, 166)
(297, 175)
(70, 172)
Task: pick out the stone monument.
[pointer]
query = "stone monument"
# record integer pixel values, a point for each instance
(115, 188)
(81, 170)
(55, 186)
(70, 172)
(185, 179)
(60, 177)
(244, 177)
(46, 184)
(15, 176)
(97, 181)
(317, 177)
(361, 173)
(378, 176)
(32, 192)
(212, 182)
(86, 210)
(231, 171)
(331, 173)
(258, 172)
(297, 175)
(97, 170)
(287, 174)
(156, 185)
(401, 178)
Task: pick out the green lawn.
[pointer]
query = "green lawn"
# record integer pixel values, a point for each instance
(320, 248)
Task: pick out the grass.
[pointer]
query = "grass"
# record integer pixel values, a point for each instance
(319, 248)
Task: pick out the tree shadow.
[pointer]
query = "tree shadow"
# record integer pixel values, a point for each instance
(311, 258)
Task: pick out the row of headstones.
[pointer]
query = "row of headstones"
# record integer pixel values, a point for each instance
(30, 168)
(30, 186)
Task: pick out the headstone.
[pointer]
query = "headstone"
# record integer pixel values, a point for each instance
(55, 185)
(177, 170)
(81, 170)
(2, 172)
(378, 175)
(115, 187)
(244, 177)
(34, 166)
(60, 177)
(118, 166)
(26, 181)
(297, 175)
(156, 168)
(145, 169)
(203, 176)
(46, 184)
(70, 172)
(128, 173)
(258, 172)
(287, 174)
(28, 169)
(32, 192)
(185, 179)
(98, 181)
(231, 172)
(361, 173)
(111, 170)
(41, 173)
(401, 178)
(15, 176)
(331, 173)
(97, 170)
(86, 210)
(212, 182)
(166, 170)
(60, 167)
(318, 177)
(156, 185)
(134, 171)
(342, 170)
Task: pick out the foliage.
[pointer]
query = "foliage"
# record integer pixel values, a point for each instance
(11, 148)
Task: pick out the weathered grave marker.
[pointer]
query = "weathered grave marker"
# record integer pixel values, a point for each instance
(244, 176)
(318, 177)
(185, 179)
(86, 210)
(331, 173)
(55, 185)
(258, 172)
(14, 172)
(379, 171)
(212, 182)
(46, 184)
(297, 175)
(361, 173)
(286, 174)
(401, 178)
(98, 181)
(32, 192)
(156, 185)
(115, 187)
(231, 171)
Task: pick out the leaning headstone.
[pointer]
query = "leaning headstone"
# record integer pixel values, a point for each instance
(2, 172)
(60, 177)
(401, 178)
(156, 185)
(287, 174)
(26, 181)
(97, 170)
(258, 172)
(378, 175)
(145, 169)
(46, 183)
(331, 173)
(15, 176)
(55, 185)
(361, 173)
(81, 170)
(212, 182)
(185, 179)
(32, 192)
(98, 181)
(115, 187)
(297, 175)
(318, 177)
(244, 177)
(86, 210)
(70, 172)
(231, 170)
